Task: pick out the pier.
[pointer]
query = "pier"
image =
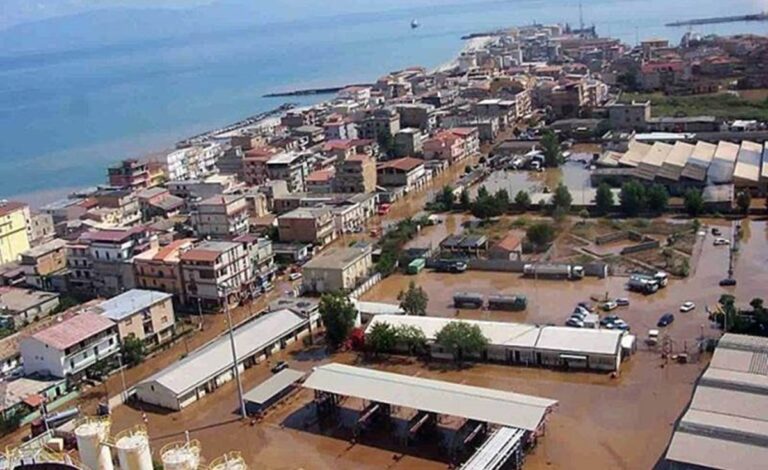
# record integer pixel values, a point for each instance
(313, 91)
(721, 19)
(249, 121)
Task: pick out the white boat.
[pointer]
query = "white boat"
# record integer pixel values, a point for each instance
(414, 23)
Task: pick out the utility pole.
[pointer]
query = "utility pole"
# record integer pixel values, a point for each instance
(234, 354)
(581, 20)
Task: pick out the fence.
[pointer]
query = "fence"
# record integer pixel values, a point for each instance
(365, 286)
(652, 245)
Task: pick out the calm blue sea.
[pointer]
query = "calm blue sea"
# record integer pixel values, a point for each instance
(79, 93)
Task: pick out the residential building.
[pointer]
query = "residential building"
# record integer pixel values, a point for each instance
(129, 174)
(629, 116)
(407, 172)
(290, 167)
(308, 225)
(356, 174)
(20, 307)
(255, 164)
(508, 248)
(124, 203)
(320, 181)
(338, 270)
(195, 162)
(144, 315)
(216, 271)
(408, 142)
(41, 263)
(340, 149)
(71, 347)
(338, 127)
(445, 146)
(159, 268)
(470, 139)
(380, 122)
(299, 117)
(202, 188)
(313, 134)
(417, 115)
(14, 236)
(40, 228)
(262, 260)
(222, 216)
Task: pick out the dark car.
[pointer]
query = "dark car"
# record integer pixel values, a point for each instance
(728, 282)
(665, 320)
(716, 232)
(608, 319)
(279, 366)
(622, 302)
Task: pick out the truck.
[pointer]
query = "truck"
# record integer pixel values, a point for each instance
(662, 278)
(415, 266)
(554, 271)
(642, 283)
(468, 300)
(451, 266)
(511, 303)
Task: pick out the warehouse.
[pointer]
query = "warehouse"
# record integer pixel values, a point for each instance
(518, 343)
(207, 368)
(723, 163)
(698, 164)
(673, 166)
(726, 424)
(747, 170)
(652, 162)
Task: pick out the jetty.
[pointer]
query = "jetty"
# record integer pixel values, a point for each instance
(313, 91)
(721, 19)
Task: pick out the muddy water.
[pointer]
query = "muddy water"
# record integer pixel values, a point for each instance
(573, 173)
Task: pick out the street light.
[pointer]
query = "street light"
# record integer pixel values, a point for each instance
(123, 396)
(234, 353)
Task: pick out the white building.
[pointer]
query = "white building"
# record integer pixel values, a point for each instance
(70, 347)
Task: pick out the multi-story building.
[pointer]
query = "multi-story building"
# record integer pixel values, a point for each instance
(159, 268)
(299, 117)
(417, 115)
(470, 139)
(196, 162)
(14, 236)
(71, 347)
(45, 263)
(313, 134)
(338, 127)
(222, 216)
(320, 181)
(356, 174)
(338, 270)
(124, 203)
(40, 228)
(144, 315)
(407, 172)
(262, 259)
(379, 123)
(290, 167)
(128, 174)
(445, 146)
(255, 164)
(20, 307)
(409, 142)
(202, 188)
(307, 225)
(215, 272)
(634, 115)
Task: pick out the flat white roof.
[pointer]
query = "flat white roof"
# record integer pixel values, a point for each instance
(378, 308)
(679, 154)
(748, 162)
(216, 357)
(721, 169)
(481, 404)
(129, 303)
(266, 390)
(657, 154)
(635, 154)
(584, 340)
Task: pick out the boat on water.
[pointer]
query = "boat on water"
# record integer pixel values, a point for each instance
(415, 23)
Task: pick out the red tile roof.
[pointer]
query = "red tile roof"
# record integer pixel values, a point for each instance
(260, 152)
(72, 331)
(321, 176)
(11, 206)
(206, 256)
(509, 243)
(339, 144)
(404, 164)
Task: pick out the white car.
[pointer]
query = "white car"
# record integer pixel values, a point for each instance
(687, 306)
(610, 305)
(294, 276)
(721, 241)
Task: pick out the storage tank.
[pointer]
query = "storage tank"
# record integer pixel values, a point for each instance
(181, 455)
(133, 451)
(91, 434)
(229, 461)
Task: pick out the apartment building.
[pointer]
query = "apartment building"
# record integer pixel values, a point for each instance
(14, 236)
(144, 315)
(20, 307)
(71, 347)
(215, 272)
(445, 146)
(44, 262)
(222, 216)
(128, 174)
(380, 122)
(470, 139)
(123, 203)
(262, 260)
(255, 164)
(290, 167)
(417, 115)
(409, 142)
(356, 174)
(159, 269)
(338, 269)
(321, 181)
(407, 172)
(307, 225)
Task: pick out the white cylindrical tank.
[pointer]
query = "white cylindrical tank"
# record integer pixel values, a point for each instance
(229, 461)
(90, 436)
(181, 455)
(133, 451)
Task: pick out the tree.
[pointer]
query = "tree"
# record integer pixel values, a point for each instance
(133, 351)
(757, 304)
(485, 206)
(462, 339)
(550, 144)
(414, 300)
(386, 142)
(604, 199)
(522, 200)
(502, 200)
(482, 192)
(413, 338)
(562, 198)
(446, 198)
(381, 338)
(464, 199)
(632, 198)
(657, 198)
(694, 203)
(744, 201)
(540, 234)
(338, 316)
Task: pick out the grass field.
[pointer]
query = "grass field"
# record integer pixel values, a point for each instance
(721, 105)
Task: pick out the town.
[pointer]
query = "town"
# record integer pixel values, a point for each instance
(548, 253)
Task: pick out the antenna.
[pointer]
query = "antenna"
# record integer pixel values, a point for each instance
(581, 19)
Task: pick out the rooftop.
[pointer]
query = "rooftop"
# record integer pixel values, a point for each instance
(74, 330)
(45, 248)
(208, 251)
(748, 162)
(337, 258)
(168, 253)
(129, 303)
(11, 206)
(16, 300)
(264, 392)
(403, 164)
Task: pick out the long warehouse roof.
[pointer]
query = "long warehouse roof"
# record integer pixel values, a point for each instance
(657, 155)
(764, 172)
(748, 162)
(726, 424)
(481, 404)
(699, 161)
(635, 154)
(721, 169)
(216, 357)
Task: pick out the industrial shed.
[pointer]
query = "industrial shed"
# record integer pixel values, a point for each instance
(673, 166)
(635, 154)
(723, 163)
(532, 345)
(699, 161)
(207, 368)
(747, 170)
(652, 162)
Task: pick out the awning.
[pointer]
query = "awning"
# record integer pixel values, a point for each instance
(573, 357)
(34, 400)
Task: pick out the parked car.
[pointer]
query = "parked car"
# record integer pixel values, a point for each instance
(716, 231)
(294, 276)
(587, 306)
(621, 325)
(721, 241)
(279, 366)
(728, 282)
(610, 305)
(653, 337)
(608, 320)
(581, 311)
(687, 306)
(574, 322)
(622, 302)
(665, 320)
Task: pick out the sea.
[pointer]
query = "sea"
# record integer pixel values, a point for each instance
(79, 93)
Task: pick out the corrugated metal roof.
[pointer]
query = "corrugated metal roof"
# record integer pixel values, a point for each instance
(721, 168)
(748, 162)
(216, 357)
(635, 154)
(699, 161)
(72, 331)
(129, 303)
(482, 404)
(584, 340)
(764, 171)
(263, 392)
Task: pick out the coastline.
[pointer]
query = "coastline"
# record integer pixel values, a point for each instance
(470, 45)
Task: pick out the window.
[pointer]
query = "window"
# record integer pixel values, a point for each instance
(164, 319)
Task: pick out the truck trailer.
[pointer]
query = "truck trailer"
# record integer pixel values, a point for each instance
(642, 283)
(554, 271)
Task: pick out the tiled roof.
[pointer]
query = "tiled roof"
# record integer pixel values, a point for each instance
(72, 331)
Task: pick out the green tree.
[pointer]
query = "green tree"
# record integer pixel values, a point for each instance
(502, 200)
(550, 145)
(485, 207)
(464, 199)
(446, 198)
(757, 304)
(632, 198)
(382, 338)
(10, 423)
(694, 203)
(522, 200)
(414, 300)
(540, 234)
(482, 192)
(744, 201)
(461, 339)
(413, 338)
(338, 316)
(658, 198)
(562, 198)
(604, 199)
(133, 351)
(386, 142)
